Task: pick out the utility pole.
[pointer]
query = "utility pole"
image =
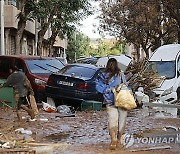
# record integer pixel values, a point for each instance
(2, 28)
(36, 34)
(75, 55)
(64, 55)
(36, 37)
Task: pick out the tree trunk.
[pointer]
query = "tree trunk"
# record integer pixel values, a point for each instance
(146, 50)
(41, 34)
(20, 28)
(51, 51)
(19, 34)
(40, 44)
(179, 34)
(52, 39)
(147, 53)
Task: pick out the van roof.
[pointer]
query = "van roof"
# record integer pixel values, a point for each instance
(166, 53)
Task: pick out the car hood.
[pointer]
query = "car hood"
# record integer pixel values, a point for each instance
(166, 84)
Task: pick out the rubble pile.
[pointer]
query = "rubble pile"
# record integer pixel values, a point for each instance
(137, 77)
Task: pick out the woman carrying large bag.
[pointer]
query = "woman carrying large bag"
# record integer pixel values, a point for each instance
(109, 80)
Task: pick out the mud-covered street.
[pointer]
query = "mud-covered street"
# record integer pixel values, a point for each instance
(87, 132)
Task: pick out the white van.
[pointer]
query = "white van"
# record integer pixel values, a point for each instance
(166, 62)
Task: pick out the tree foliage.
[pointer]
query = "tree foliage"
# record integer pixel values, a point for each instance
(144, 23)
(78, 45)
(105, 47)
(60, 15)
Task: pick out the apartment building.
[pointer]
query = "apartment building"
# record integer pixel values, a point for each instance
(28, 41)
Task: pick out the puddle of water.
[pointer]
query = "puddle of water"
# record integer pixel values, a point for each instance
(159, 131)
(57, 137)
(161, 112)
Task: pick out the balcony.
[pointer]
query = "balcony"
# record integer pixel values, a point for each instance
(11, 21)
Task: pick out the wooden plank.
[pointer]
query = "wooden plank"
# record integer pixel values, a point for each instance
(161, 105)
(151, 148)
(18, 150)
(47, 144)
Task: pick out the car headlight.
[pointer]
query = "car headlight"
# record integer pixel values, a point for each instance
(167, 91)
(39, 81)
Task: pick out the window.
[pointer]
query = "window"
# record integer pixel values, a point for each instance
(12, 2)
(44, 66)
(79, 71)
(162, 68)
(5, 65)
(13, 48)
(19, 64)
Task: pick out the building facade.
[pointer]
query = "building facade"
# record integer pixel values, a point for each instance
(28, 40)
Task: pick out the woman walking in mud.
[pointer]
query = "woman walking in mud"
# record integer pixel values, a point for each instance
(109, 79)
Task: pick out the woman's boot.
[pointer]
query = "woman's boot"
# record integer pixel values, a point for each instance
(119, 136)
(121, 128)
(113, 135)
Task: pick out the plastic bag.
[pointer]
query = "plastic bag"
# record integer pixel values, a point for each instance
(48, 108)
(64, 109)
(123, 97)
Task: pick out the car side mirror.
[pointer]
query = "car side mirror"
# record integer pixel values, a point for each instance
(178, 72)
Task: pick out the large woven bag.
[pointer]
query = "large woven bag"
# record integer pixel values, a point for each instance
(123, 97)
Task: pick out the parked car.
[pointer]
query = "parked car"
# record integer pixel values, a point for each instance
(74, 82)
(63, 60)
(123, 61)
(88, 60)
(36, 68)
(165, 61)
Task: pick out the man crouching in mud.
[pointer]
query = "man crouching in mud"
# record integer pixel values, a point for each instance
(19, 82)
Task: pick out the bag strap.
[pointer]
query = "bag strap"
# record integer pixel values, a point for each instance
(120, 78)
(123, 78)
(119, 83)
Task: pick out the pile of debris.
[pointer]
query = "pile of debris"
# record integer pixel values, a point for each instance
(138, 77)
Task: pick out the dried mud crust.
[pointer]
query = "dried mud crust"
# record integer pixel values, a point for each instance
(87, 132)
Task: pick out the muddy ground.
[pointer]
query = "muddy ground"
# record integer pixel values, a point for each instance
(87, 132)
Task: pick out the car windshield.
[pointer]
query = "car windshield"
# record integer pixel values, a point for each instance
(44, 66)
(162, 68)
(79, 71)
